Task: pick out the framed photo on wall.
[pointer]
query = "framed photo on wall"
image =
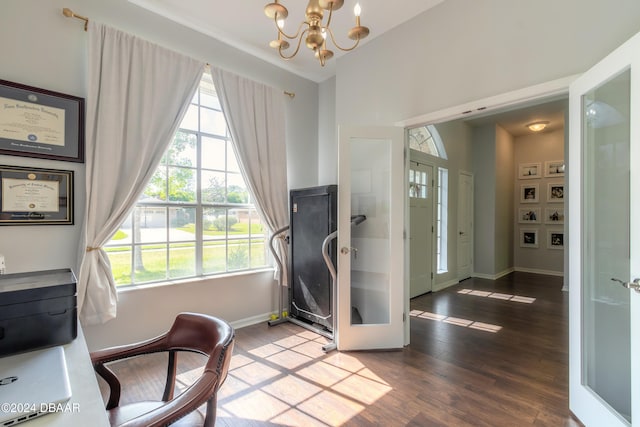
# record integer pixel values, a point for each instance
(529, 170)
(554, 215)
(41, 123)
(555, 192)
(529, 215)
(529, 193)
(554, 168)
(555, 239)
(528, 238)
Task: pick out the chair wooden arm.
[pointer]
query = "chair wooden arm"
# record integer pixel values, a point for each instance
(192, 332)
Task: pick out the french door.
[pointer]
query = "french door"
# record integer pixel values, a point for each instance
(604, 240)
(371, 199)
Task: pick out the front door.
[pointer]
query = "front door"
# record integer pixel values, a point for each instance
(604, 237)
(421, 228)
(371, 198)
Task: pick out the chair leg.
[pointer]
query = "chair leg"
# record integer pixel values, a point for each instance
(170, 385)
(210, 418)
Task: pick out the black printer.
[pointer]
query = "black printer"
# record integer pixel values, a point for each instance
(37, 309)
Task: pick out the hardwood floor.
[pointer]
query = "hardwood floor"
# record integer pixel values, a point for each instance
(482, 353)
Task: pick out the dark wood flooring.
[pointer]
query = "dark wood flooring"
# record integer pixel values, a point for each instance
(482, 353)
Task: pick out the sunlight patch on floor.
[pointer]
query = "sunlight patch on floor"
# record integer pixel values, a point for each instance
(466, 323)
(496, 295)
(317, 389)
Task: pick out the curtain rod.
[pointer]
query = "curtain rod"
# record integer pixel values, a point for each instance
(70, 14)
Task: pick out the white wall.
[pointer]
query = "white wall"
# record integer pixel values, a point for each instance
(462, 51)
(538, 148)
(503, 262)
(484, 174)
(42, 48)
(327, 133)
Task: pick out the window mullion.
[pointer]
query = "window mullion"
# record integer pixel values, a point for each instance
(199, 210)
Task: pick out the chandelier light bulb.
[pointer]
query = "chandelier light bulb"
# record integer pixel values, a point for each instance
(357, 10)
(280, 23)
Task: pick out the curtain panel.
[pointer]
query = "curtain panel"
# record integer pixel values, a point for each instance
(256, 119)
(137, 95)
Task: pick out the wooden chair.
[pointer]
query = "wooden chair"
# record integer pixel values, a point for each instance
(193, 332)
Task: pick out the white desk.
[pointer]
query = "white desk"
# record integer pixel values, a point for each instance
(86, 400)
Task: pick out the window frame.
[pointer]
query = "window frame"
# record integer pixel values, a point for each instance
(252, 241)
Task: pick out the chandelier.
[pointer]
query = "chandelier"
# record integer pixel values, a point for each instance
(312, 29)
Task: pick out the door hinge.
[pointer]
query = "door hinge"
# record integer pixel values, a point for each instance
(432, 275)
(404, 317)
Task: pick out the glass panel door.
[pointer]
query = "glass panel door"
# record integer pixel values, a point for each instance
(604, 253)
(371, 286)
(605, 228)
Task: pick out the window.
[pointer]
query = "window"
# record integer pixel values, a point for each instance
(418, 184)
(426, 139)
(442, 221)
(195, 217)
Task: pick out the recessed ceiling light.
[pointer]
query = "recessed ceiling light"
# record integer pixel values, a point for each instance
(538, 126)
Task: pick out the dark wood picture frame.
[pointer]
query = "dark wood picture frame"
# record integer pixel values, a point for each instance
(30, 196)
(41, 123)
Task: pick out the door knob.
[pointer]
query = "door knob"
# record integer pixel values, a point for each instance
(635, 285)
(344, 250)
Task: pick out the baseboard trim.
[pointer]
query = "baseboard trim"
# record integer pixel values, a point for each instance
(440, 286)
(248, 321)
(537, 271)
(494, 276)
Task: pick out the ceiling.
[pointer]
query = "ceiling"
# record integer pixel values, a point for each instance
(243, 25)
(515, 119)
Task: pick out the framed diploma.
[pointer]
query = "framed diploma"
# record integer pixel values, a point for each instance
(35, 196)
(41, 123)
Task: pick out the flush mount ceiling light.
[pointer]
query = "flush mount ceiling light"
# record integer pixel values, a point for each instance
(538, 126)
(312, 28)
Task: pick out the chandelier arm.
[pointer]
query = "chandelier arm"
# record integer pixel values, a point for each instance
(297, 48)
(329, 18)
(275, 20)
(338, 46)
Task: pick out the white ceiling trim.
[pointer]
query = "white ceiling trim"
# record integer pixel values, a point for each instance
(509, 99)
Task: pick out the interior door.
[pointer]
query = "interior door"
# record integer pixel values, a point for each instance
(604, 161)
(371, 285)
(421, 228)
(465, 225)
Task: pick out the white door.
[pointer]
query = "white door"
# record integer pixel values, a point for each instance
(371, 286)
(465, 225)
(421, 228)
(604, 237)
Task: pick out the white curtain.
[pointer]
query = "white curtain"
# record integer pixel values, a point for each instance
(256, 119)
(137, 95)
